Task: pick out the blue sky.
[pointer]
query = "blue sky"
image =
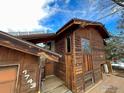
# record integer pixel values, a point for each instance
(83, 9)
(51, 15)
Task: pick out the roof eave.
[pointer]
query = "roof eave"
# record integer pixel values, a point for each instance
(29, 45)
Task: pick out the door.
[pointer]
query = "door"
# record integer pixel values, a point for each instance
(8, 79)
(87, 63)
(87, 55)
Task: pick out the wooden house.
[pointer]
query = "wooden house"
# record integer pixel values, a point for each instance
(21, 65)
(81, 44)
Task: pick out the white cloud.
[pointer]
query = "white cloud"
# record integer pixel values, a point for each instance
(67, 1)
(23, 15)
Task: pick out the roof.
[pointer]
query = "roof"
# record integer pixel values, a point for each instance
(72, 24)
(84, 23)
(12, 42)
(37, 38)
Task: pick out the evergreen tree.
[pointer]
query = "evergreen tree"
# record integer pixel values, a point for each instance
(115, 47)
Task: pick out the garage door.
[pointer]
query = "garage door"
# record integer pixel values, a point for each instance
(8, 79)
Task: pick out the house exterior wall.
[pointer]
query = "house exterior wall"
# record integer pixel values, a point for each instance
(28, 69)
(97, 58)
(71, 67)
(61, 68)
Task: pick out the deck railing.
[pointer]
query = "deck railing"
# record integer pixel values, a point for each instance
(26, 33)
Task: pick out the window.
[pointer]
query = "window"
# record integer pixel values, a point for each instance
(85, 44)
(68, 43)
(50, 45)
(87, 57)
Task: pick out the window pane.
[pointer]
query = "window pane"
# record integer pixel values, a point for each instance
(85, 46)
(68, 41)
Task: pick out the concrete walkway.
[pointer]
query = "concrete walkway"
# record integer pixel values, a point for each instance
(110, 84)
(53, 84)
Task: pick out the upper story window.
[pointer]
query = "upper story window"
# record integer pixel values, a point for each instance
(85, 44)
(51, 45)
(68, 43)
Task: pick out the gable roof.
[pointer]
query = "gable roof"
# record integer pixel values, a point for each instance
(12, 42)
(84, 23)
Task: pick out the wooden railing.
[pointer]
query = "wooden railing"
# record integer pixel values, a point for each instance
(26, 33)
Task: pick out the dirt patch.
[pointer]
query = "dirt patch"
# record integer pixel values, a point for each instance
(119, 73)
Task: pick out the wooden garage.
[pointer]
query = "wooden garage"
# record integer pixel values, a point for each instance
(81, 44)
(22, 65)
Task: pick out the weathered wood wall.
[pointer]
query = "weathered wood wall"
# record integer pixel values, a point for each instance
(25, 62)
(97, 58)
(64, 68)
(60, 68)
(49, 68)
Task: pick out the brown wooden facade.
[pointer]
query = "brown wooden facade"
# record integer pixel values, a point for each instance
(21, 65)
(81, 44)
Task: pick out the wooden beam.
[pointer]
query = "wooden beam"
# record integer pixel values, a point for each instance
(64, 28)
(49, 56)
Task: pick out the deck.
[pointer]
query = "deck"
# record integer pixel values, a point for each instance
(53, 84)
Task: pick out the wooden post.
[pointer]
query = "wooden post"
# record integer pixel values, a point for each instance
(109, 67)
(41, 69)
(68, 71)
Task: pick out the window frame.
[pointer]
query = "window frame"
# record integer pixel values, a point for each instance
(66, 45)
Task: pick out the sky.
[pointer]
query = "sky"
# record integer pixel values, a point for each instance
(51, 15)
